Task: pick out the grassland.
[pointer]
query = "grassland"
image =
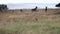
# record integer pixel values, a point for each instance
(25, 22)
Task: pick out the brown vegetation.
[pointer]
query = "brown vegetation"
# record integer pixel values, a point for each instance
(34, 16)
(28, 12)
(28, 22)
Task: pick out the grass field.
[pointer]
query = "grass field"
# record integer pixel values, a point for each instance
(26, 23)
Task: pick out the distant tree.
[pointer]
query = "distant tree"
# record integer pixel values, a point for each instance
(58, 11)
(3, 7)
(57, 5)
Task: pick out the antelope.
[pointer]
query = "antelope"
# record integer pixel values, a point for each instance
(34, 9)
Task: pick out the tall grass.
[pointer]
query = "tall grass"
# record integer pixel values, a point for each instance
(28, 26)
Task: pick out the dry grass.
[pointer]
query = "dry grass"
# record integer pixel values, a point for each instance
(28, 22)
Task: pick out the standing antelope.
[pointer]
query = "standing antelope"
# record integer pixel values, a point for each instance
(34, 9)
(46, 9)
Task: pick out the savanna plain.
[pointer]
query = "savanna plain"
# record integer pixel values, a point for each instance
(30, 22)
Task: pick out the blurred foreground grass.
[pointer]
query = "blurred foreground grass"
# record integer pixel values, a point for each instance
(28, 25)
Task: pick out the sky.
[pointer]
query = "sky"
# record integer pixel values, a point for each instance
(28, 1)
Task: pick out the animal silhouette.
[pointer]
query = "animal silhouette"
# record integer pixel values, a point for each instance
(34, 9)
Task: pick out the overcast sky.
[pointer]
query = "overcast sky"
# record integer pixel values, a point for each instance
(28, 1)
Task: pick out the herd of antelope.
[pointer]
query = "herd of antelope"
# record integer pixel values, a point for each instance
(35, 9)
(3, 7)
